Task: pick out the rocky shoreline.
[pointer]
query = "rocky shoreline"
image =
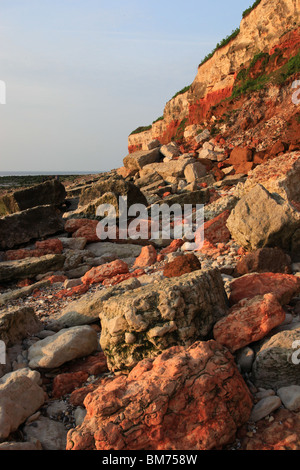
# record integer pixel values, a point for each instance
(110, 343)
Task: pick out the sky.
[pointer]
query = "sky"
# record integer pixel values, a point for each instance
(81, 75)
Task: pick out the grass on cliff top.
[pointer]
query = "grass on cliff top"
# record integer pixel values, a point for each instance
(140, 129)
(221, 44)
(180, 92)
(248, 10)
(231, 36)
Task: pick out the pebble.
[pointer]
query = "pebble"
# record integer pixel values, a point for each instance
(290, 397)
(265, 407)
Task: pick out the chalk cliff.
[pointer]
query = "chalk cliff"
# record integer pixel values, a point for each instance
(267, 38)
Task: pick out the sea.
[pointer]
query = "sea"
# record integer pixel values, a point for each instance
(47, 173)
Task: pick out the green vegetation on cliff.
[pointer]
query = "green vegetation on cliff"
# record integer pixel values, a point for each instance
(184, 90)
(249, 80)
(248, 10)
(231, 36)
(141, 129)
(221, 44)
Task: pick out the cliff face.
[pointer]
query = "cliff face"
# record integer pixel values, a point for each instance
(272, 28)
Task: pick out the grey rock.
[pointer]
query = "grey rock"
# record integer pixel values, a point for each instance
(30, 267)
(51, 434)
(176, 311)
(277, 364)
(31, 224)
(265, 407)
(119, 250)
(194, 171)
(262, 219)
(64, 346)
(137, 160)
(290, 397)
(49, 193)
(20, 397)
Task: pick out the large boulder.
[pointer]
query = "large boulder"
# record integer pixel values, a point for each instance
(192, 399)
(49, 193)
(261, 218)
(31, 224)
(144, 322)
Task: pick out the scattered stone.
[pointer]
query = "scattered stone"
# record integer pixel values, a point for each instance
(262, 219)
(264, 260)
(215, 229)
(147, 257)
(172, 168)
(242, 160)
(245, 357)
(249, 321)
(73, 243)
(64, 384)
(51, 434)
(290, 397)
(21, 445)
(194, 171)
(279, 175)
(265, 407)
(119, 250)
(20, 397)
(281, 434)
(62, 347)
(170, 150)
(137, 160)
(283, 286)
(86, 309)
(49, 193)
(182, 265)
(114, 187)
(105, 271)
(276, 363)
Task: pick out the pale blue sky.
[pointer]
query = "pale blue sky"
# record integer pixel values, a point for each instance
(82, 74)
